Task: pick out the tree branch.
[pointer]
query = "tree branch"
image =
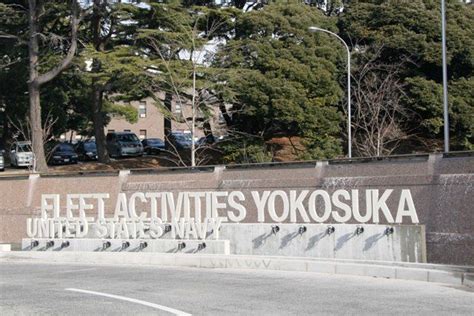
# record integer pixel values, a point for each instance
(50, 75)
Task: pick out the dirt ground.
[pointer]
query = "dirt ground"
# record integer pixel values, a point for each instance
(286, 148)
(147, 162)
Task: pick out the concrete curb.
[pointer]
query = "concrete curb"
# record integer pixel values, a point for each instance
(5, 247)
(445, 274)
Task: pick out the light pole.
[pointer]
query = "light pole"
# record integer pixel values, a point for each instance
(315, 29)
(445, 77)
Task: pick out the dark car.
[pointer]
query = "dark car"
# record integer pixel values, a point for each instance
(121, 144)
(62, 154)
(179, 141)
(206, 140)
(86, 150)
(153, 146)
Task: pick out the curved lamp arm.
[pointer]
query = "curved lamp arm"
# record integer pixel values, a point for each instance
(314, 29)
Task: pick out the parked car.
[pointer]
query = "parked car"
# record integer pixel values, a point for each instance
(206, 140)
(120, 144)
(62, 154)
(179, 141)
(21, 154)
(2, 157)
(86, 150)
(153, 146)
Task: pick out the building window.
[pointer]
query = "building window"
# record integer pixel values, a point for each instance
(142, 133)
(111, 131)
(142, 109)
(127, 130)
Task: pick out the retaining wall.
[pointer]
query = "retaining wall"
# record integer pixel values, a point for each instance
(441, 187)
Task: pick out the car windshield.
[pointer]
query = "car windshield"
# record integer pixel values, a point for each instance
(65, 147)
(183, 137)
(155, 142)
(90, 146)
(127, 138)
(24, 148)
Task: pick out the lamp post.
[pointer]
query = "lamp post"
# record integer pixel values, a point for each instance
(445, 77)
(314, 29)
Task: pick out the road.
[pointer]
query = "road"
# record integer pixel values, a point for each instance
(54, 289)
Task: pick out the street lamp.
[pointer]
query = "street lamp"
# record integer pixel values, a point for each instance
(314, 29)
(445, 77)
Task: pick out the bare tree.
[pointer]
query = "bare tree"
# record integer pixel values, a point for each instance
(193, 118)
(379, 122)
(36, 79)
(183, 81)
(23, 129)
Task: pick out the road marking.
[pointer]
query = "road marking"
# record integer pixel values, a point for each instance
(77, 270)
(123, 298)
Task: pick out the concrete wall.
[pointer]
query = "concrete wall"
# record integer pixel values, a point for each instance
(442, 190)
(406, 243)
(134, 245)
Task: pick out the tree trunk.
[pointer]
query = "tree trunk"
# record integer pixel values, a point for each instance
(167, 122)
(98, 122)
(40, 164)
(6, 127)
(97, 90)
(36, 79)
(34, 93)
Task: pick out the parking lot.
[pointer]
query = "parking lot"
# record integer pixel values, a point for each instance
(146, 161)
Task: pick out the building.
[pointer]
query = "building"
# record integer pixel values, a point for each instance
(150, 122)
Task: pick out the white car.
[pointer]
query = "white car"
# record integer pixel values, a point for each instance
(2, 162)
(21, 154)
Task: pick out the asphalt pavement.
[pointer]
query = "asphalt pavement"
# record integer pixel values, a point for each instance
(62, 289)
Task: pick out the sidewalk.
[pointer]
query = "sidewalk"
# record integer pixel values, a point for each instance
(445, 274)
